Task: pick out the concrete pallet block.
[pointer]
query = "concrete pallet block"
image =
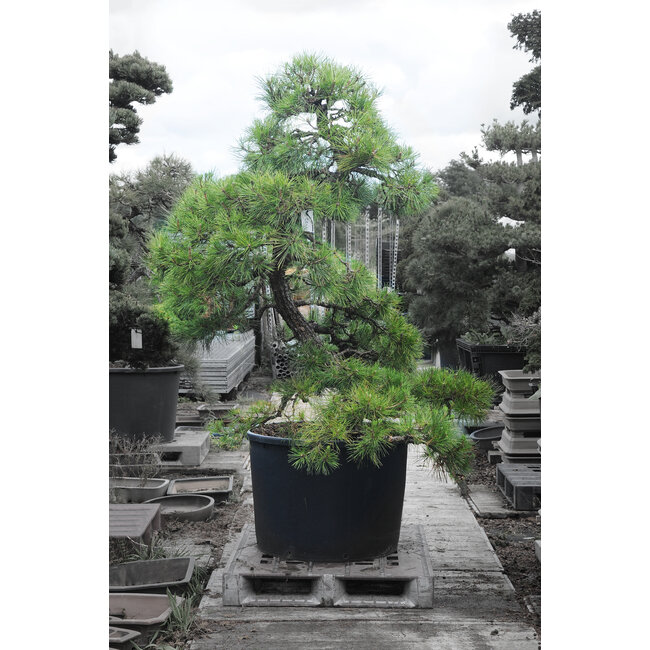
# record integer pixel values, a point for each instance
(520, 484)
(494, 456)
(189, 447)
(401, 580)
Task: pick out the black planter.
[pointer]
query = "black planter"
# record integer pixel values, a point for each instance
(354, 513)
(142, 403)
(483, 438)
(487, 360)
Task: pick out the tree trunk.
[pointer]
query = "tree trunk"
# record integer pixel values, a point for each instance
(283, 302)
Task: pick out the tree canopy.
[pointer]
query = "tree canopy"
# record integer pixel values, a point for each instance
(455, 269)
(138, 203)
(527, 91)
(133, 80)
(320, 151)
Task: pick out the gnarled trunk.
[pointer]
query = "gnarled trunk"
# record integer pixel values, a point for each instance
(283, 302)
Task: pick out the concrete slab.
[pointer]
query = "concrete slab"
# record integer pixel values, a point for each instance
(474, 606)
(487, 502)
(189, 447)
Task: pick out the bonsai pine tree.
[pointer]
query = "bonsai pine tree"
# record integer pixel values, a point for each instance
(322, 149)
(246, 242)
(133, 80)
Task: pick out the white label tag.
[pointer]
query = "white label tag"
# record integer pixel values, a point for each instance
(307, 218)
(136, 338)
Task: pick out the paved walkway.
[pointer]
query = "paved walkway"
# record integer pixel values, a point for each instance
(474, 602)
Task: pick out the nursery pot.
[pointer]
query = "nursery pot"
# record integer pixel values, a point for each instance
(488, 360)
(142, 403)
(352, 514)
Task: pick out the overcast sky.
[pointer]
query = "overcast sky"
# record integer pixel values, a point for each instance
(445, 67)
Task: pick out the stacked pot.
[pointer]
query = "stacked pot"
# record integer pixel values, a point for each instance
(521, 416)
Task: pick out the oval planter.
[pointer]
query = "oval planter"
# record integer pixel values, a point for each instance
(187, 507)
(152, 576)
(142, 403)
(135, 490)
(485, 437)
(352, 514)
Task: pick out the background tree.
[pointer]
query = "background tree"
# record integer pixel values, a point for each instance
(138, 203)
(133, 80)
(527, 91)
(458, 248)
(323, 147)
(141, 201)
(455, 270)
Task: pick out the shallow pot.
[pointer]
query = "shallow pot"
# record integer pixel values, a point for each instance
(217, 487)
(135, 490)
(186, 507)
(120, 637)
(151, 576)
(354, 513)
(142, 403)
(483, 438)
(140, 612)
(519, 382)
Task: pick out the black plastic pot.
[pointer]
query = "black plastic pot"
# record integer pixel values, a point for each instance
(487, 360)
(352, 514)
(142, 403)
(485, 437)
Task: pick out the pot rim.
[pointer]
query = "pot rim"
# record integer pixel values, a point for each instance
(268, 440)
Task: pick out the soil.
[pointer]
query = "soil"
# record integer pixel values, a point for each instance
(278, 429)
(513, 539)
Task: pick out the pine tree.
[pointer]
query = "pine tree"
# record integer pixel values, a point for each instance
(527, 91)
(138, 203)
(134, 79)
(322, 149)
(455, 271)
